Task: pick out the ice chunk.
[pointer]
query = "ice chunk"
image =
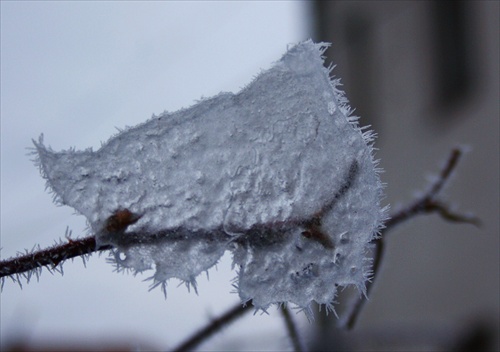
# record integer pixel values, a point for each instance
(279, 173)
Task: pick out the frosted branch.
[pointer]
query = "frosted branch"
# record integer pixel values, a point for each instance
(31, 262)
(280, 174)
(427, 204)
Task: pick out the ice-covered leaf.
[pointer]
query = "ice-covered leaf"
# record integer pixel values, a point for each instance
(279, 173)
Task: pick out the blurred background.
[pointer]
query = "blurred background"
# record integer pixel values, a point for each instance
(425, 75)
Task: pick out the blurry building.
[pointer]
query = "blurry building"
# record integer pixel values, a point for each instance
(425, 75)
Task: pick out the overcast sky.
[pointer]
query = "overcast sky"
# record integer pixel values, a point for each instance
(77, 70)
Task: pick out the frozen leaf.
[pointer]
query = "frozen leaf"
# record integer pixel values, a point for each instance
(279, 173)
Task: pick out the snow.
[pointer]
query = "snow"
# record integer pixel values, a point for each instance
(279, 174)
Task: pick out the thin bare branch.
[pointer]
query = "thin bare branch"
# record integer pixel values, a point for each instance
(292, 329)
(214, 327)
(426, 204)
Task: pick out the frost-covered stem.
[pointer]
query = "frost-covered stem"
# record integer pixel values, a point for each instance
(214, 326)
(425, 204)
(292, 329)
(52, 256)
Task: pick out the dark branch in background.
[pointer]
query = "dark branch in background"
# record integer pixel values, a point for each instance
(426, 204)
(28, 263)
(236, 312)
(429, 203)
(215, 326)
(292, 329)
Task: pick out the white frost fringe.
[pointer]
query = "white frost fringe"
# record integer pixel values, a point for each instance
(280, 174)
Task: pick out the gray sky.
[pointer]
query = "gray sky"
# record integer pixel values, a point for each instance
(75, 71)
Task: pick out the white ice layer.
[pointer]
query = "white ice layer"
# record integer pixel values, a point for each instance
(278, 173)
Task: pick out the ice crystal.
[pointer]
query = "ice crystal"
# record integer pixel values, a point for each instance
(279, 174)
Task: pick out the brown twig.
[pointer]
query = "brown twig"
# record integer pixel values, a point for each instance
(28, 263)
(214, 326)
(426, 204)
(232, 314)
(292, 329)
